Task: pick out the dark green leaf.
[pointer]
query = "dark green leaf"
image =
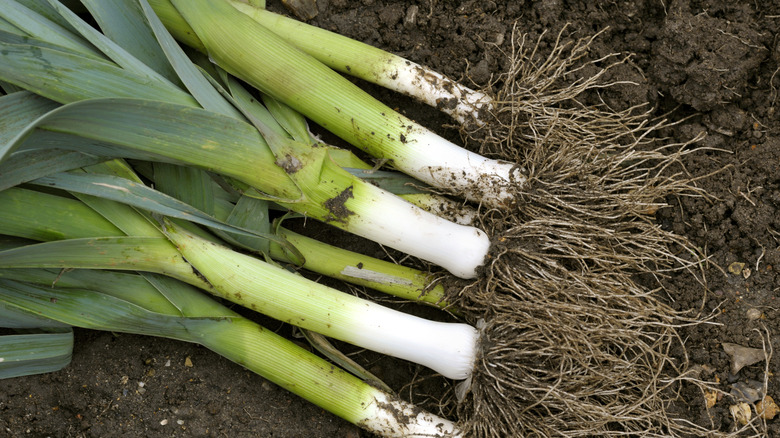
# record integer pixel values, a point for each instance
(34, 353)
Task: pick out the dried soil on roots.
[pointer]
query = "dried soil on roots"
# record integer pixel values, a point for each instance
(709, 66)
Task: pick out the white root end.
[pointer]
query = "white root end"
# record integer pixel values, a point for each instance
(447, 348)
(393, 417)
(389, 220)
(440, 163)
(432, 88)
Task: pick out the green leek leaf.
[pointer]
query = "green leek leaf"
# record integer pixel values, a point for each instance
(40, 27)
(28, 165)
(140, 196)
(113, 51)
(125, 24)
(93, 310)
(150, 254)
(192, 77)
(21, 216)
(34, 353)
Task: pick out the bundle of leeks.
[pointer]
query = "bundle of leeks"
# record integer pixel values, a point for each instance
(119, 99)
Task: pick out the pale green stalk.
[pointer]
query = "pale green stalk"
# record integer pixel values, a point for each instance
(374, 65)
(162, 307)
(390, 278)
(255, 54)
(296, 175)
(448, 348)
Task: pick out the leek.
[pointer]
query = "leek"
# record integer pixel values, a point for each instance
(297, 176)
(448, 348)
(158, 306)
(356, 59)
(253, 53)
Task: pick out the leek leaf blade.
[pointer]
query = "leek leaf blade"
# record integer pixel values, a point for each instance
(34, 353)
(25, 166)
(125, 23)
(67, 77)
(191, 76)
(40, 27)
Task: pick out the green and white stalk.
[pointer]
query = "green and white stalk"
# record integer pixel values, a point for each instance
(253, 53)
(282, 119)
(356, 59)
(162, 307)
(406, 187)
(78, 220)
(334, 262)
(382, 217)
(296, 175)
(448, 348)
(374, 65)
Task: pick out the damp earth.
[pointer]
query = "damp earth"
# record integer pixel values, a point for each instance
(710, 66)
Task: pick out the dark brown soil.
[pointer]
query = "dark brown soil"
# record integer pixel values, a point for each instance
(713, 65)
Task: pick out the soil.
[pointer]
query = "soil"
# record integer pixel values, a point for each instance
(711, 65)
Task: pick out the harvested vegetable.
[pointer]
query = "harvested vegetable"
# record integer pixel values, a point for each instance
(295, 175)
(159, 306)
(448, 348)
(568, 335)
(308, 86)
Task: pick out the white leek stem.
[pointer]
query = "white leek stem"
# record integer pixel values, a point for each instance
(448, 348)
(441, 163)
(383, 217)
(393, 417)
(433, 88)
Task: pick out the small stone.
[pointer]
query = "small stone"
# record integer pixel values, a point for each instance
(749, 392)
(710, 398)
(188, 362)
(746, 273)
(411, 16)
(753, 314)
(741, 413)
(767, 409)
(736, 268)
(742, 356)
(164, 422)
